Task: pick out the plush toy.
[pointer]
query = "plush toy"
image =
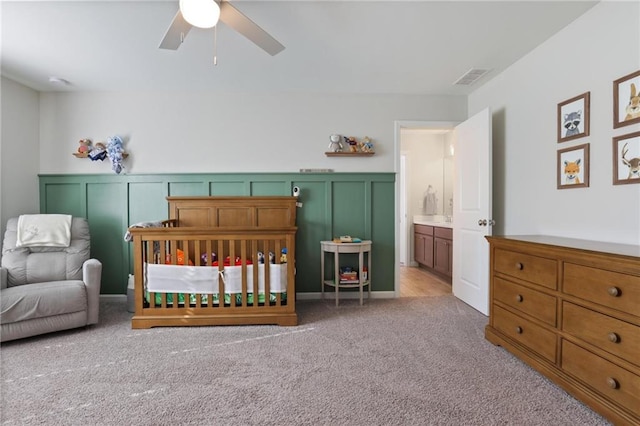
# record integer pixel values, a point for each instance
(205, 258)
(283, 255)
(179, 258)
(85, 146)
(353, 144)
(366, 145)
(99, 152)
(114, 151)
(334, 143)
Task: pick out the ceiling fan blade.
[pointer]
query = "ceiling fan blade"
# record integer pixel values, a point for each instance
(245, 26)
(176, 33)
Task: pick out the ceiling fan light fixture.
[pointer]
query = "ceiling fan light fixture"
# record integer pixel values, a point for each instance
(200, 13)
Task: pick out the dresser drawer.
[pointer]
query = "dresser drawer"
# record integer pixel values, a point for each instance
(534, 269)
(609, 334)
(536, 304)
(616, 383)
(534, 337)
(611, 289)
(423, 229)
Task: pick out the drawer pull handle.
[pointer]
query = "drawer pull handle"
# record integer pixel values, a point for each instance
(518, 329)
(519, 266)
(613, 291)
(613, 337)
(613, 383)
(519, 298)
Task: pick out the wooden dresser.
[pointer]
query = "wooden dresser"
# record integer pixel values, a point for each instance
(571, 309)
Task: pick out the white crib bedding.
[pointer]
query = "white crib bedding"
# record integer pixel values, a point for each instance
(206, 279)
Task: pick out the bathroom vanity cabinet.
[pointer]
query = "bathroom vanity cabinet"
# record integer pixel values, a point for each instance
(433, 248)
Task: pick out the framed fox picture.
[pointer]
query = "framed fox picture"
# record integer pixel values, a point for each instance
(626, 100)
(573, 167)
(573, 118)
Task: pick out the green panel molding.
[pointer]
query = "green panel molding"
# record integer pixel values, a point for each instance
(358, 204)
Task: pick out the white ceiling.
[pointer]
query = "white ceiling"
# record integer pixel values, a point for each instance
(413, 47)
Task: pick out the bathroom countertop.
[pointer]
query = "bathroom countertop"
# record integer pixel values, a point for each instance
(432, 221)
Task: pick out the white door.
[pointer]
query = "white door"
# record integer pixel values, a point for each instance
(404, 257)
(472, 210)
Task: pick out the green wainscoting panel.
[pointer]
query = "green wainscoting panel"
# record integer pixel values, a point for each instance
(333, 204)
(188, 188)
(228, 188)
(382, 233)
(264, 188)
(147, 202)
(349, 208)
(64, 198)
(107, 219)
(312, 219)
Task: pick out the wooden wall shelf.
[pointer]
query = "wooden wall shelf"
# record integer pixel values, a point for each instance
(86, 155)
(349, 154)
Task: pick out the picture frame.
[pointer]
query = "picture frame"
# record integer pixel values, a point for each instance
(573, 118)
(626, 159)
(626, 100)
(573, 167)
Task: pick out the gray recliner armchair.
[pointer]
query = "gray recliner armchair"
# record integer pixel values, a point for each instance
(46, 289)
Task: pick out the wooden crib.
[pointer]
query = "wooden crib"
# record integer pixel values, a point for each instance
(217, 261)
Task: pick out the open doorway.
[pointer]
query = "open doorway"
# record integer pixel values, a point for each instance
(424, 167)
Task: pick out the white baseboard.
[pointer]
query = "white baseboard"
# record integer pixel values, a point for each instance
(345, 295)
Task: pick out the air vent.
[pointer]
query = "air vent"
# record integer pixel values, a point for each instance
(470, 77)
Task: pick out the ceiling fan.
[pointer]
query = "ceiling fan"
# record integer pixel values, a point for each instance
(205, 14)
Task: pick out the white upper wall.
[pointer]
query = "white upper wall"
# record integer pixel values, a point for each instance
(19, 151)
(188, 132)
(587, 56)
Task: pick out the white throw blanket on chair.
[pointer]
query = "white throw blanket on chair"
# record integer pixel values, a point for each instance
(44, 230)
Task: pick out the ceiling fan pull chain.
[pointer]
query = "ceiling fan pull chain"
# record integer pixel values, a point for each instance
(215, 45)
(181, 37)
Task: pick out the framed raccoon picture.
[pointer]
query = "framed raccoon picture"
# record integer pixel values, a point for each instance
(626, 159)
(573, 118)
(626, 100)
(573, 167)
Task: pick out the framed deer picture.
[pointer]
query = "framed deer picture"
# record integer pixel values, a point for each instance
(573, 167)
(573, 118)
(626, 159)
(626, 100)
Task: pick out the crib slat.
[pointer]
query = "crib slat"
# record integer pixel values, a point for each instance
(221, 301)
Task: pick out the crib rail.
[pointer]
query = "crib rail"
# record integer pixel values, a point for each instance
(248, 285)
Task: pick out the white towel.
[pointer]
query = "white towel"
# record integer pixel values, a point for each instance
(44, 230)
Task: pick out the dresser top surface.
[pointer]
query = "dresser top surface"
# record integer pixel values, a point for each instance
(573, 243)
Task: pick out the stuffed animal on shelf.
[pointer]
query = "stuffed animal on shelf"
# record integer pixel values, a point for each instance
(352, 142)
(85, 146)
(115, 151)
(99, 152)
(335, 143)
(366, 145)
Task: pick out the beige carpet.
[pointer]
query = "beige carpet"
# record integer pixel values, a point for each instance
(409, 361)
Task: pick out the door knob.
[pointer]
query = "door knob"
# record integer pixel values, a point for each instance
(482, 222)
